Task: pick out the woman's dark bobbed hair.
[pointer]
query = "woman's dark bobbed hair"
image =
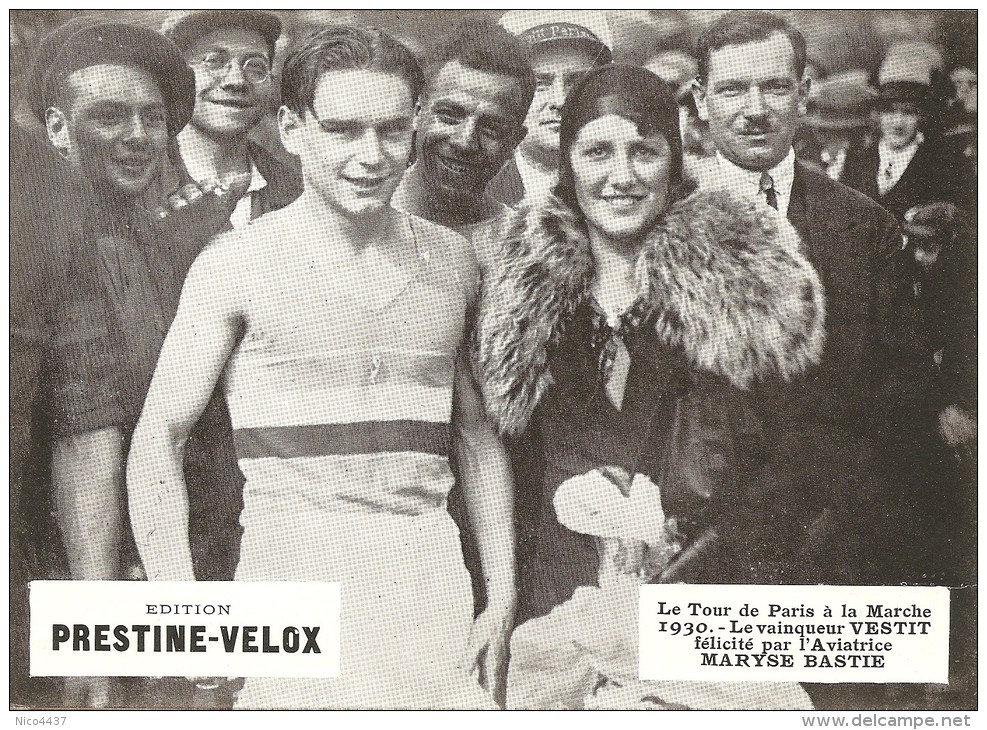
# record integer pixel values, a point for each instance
(630, 92)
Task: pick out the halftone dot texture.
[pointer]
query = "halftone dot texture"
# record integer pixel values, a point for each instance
(584, 655)
(914, 61)
(340, 395)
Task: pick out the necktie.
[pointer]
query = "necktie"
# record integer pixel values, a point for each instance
(767, 186)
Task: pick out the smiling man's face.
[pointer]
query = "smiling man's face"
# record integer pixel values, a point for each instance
(228, 102)
(753, 100)
(355, 141)
(117, 126)
(468, 125)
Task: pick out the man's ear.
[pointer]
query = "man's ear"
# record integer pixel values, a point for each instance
(289, 126)
(416, 120)
(57, 126)
(699, 96)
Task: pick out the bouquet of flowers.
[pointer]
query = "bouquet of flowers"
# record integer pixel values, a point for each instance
(584, 654)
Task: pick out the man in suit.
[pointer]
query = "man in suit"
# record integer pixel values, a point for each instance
(828, 426)
(831, 435)
(564, 45)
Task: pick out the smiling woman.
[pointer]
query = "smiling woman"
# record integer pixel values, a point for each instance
(621, 326)
(622, 177)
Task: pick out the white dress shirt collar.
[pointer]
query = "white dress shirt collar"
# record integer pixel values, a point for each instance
(242, 212)
(747, 182)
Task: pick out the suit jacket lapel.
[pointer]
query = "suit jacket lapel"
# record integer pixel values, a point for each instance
(819, 223)
(918, 164)
(799, 213)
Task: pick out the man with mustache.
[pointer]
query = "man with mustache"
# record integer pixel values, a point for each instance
(231, 53)
(832, 425)
(835, 431)
(468, 122)
(563, 46)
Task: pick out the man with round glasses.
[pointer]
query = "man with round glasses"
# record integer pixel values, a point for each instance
(231, 53)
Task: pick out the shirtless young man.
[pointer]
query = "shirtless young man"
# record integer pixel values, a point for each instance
(338, 328)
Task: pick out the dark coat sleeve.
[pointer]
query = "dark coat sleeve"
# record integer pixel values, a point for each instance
(747, 526)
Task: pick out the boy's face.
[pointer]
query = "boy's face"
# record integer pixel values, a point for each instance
(114, 126)
(355, 141)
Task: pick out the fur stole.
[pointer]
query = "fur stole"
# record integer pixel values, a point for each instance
(727, 278)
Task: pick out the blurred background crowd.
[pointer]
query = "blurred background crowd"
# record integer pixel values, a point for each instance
(850, 53)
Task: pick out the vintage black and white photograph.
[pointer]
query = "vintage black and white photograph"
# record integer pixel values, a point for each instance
(475, 358)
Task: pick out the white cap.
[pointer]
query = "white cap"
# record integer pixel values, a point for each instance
(540, 26)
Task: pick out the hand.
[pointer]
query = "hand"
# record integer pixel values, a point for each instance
(956, 426)
(92, 692)
(232, 187)
(630, 557)
(487, 648)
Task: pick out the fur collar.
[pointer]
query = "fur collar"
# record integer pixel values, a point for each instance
(730, 285)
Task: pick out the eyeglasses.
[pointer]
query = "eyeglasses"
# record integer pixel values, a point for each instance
(256, 69)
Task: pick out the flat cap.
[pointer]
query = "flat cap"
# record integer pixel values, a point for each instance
(186, 29)
(87, 41)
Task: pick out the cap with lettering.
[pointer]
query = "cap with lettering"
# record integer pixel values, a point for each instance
(550, 26)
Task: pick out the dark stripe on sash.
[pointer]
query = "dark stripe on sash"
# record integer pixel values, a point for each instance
(340, 439)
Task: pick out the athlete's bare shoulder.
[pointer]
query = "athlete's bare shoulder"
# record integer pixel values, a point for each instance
(448, 250)
(235, 265)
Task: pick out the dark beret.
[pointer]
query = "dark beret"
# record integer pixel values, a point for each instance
(190, 28)
(86, 41)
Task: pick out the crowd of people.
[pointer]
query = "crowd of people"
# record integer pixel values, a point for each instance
(490, 336)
